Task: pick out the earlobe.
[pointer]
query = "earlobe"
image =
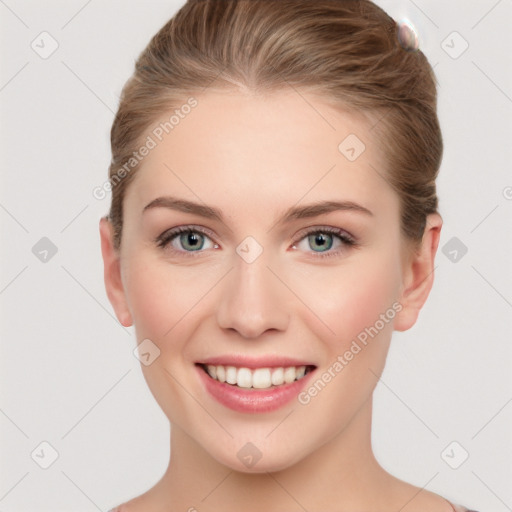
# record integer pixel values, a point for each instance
(418, 275)
(112, 274)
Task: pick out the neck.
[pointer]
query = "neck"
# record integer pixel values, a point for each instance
(339, 472)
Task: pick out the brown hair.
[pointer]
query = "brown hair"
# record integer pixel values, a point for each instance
(347, 50)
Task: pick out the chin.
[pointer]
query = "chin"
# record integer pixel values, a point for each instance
(250, 459)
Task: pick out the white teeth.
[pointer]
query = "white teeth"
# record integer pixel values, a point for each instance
(261, 378)
(278, 377)
(244, 378)
(231, 374)
(289, 374)
(212, 371)
(221, 374)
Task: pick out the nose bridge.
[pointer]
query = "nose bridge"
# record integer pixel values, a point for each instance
(252, 301)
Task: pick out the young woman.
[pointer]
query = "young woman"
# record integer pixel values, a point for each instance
(273, 220)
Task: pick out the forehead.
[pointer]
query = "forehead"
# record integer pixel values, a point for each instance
(241, 147)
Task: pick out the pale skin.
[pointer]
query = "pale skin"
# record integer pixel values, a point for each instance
(252, 158)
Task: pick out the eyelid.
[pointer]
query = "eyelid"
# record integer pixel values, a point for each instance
(168, 235)
(346, 238)
(325, 229)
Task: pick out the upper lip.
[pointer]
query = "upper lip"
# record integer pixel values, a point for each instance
(241, 361)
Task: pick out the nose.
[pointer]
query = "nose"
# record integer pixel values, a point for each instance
(253, 300)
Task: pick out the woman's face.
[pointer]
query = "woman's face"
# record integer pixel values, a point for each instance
(294, 259)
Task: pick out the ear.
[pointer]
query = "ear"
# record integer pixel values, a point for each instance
(112, 273)
(418, 274)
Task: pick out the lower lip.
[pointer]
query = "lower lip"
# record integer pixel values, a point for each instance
(252, 400)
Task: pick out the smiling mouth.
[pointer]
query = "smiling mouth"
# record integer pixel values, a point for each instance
(257, 378)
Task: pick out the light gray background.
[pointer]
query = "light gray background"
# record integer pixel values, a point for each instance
(68, 374)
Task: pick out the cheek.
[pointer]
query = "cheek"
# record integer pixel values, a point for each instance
(163, 301)
(369, 295)
(357, 303)
(336, 302)
(161, 296)
(350, 298)
(149, 297)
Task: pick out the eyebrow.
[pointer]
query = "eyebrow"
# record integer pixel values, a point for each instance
(293, 213)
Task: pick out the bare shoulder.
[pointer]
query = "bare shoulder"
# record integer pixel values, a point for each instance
(416, 499)
(129, 506)
(120, 508)
(134, 505)
(144, 503)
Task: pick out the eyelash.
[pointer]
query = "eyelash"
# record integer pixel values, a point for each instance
(165, 238)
